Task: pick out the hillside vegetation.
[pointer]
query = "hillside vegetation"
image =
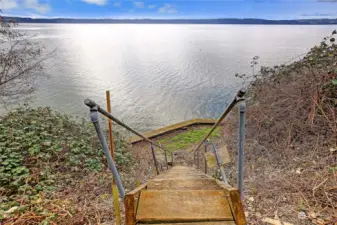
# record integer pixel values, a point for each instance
(291, 150)
(53, 170)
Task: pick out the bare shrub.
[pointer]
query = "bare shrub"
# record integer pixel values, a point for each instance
(21, 61)
(291, 154)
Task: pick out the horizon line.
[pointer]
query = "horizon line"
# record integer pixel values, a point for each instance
(145, 18)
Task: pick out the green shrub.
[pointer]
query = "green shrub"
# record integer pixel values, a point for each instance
(38, 146)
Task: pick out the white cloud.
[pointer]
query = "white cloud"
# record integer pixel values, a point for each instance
(28, 4)
(151, 6)
(319, 15)
(97, 2)
(8, 4)
(117, 4)
(167, 8)
(37, 6)
(139, 4)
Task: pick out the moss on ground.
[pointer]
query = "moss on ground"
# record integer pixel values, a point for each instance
(188, 138)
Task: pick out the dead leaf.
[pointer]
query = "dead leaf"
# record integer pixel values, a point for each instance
(275, 222)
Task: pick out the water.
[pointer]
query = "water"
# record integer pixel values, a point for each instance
(159, 74)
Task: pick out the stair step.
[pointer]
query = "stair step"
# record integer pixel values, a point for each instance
(183, 206)
(194, 223)
(181, 172)
(183, 184)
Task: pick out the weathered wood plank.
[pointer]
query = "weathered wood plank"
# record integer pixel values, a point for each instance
(130, 214)
(167, 129)
(234, 200)
(136, 190)
(185, 196)
(130, 203)
(237, 207)
(195, 223)
(183, 184)
(180, 206)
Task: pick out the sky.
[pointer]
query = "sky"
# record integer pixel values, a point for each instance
(168, 9)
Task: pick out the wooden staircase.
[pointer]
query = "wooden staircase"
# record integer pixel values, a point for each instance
(184, 196)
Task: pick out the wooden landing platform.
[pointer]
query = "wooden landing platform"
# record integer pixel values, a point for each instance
(184, 196)
(168, 129)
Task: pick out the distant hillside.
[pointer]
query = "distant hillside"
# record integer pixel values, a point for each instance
(177, 21)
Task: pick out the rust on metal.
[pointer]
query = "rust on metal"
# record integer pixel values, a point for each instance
(111, 138)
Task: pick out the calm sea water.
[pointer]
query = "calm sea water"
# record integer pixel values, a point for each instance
(159, 74)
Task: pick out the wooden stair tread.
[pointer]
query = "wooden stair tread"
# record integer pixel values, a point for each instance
(194, 223)
(183, 184)
(181, 172)
(183, 205)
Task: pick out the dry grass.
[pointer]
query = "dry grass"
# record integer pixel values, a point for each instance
(291, 157)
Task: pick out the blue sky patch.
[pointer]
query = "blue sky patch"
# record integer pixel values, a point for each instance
(167, 9)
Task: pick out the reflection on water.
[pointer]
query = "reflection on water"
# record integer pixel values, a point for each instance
(159, 74)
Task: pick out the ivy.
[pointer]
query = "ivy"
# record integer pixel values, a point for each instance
(38, 146)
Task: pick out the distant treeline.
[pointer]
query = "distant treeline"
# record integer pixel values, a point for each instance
(176, 21)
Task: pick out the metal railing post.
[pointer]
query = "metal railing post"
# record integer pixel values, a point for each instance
(242, 109)
(167, 165)
(111, 164)
(154, 159)
(230, 106)
(219, 162)
(205, 159)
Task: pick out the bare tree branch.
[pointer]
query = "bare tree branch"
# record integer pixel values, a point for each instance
(21, 61)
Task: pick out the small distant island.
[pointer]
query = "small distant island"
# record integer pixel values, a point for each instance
(177, 21)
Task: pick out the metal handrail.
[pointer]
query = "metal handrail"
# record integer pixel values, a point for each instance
(242, 110)
(92, 104)
(94, 109)
(218, 161)
(238, 98)
(111, 163)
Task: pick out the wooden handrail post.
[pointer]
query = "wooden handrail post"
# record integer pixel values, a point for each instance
(111, 139)
(154, 159)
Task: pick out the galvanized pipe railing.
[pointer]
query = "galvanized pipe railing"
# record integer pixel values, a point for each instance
(218, 161)
(154, 159)
(242, 128)
(94, 109)
(111, 163)
(238, 98)
(91, 104)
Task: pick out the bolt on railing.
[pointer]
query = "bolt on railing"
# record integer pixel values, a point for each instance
(94, 109)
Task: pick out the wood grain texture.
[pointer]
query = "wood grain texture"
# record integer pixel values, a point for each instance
(194, 223)
(184, 196)
(129, 203)
(179, 206)
(237, 207)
